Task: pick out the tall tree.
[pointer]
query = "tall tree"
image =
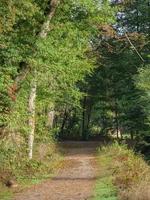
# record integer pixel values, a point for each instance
(32, 98)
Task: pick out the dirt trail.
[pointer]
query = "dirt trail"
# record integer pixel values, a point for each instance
(74, 181)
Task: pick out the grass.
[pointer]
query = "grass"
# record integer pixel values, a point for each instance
(5, 193)
(123, 175)
(105, 190)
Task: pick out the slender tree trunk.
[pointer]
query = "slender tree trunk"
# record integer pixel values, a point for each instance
(32, 97)
(84, 120)
(121, 134)
(117, 121)
(89, 114)
(46, 26)
(137, 15)
(50, 116)
(65, 117)
(132, 135)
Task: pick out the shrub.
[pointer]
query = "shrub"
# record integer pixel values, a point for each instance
(15, 164)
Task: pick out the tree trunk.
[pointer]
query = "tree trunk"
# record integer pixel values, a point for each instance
(132, 135)
(46, 26)
(65, 117)
(50, 116)
(50, 121)
(121, 134)
(32, 97)
(117, 121)
(84, 120)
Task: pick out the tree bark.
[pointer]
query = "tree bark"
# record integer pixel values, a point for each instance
(50, 121)
(46, 26)
(116, 119)
(32, 97)
(84, 120)
(65, 117)
(89, 111)
(132, 135)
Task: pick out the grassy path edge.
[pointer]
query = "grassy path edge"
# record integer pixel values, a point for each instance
(104, 189)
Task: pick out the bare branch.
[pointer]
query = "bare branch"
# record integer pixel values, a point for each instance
(134, 47)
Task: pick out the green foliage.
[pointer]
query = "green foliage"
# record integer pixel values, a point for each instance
(143, 79)
(60, 59)
(18, 26)
(142, 83)
(112, 90)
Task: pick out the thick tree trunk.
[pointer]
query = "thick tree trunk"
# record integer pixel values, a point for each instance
(32, 97)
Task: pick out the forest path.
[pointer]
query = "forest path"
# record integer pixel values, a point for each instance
(74, 181)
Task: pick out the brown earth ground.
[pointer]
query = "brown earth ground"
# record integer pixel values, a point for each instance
(74, 181)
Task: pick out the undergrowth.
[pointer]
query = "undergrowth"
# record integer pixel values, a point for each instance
(22, 172)
(130, 173)
(5, 193)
